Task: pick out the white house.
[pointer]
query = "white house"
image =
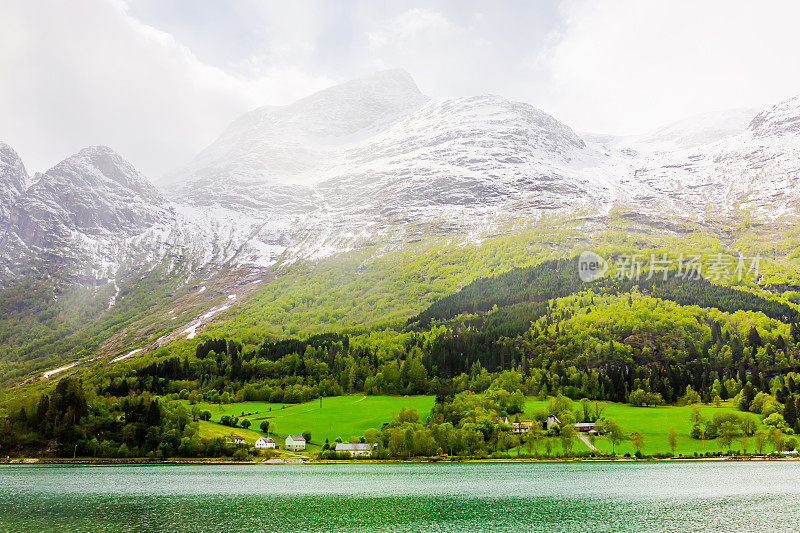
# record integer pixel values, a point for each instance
(237, 440)
(552, 419)
(362, 448)
(264, 443)
(295, 443)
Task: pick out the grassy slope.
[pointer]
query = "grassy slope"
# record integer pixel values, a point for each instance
(340, 416)
(373, 287)
(366, 288)
(210, 430)
(655, 423)
(40, 332)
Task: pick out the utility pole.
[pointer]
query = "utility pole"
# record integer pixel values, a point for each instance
(75, 451)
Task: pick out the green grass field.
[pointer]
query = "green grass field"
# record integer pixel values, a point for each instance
(349, 416)
(655, 423)
(211, 430)
(339, 416)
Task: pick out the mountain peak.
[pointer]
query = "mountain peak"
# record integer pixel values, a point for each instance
(340, 111)
(12, 171)
(95, 191)
(98, 164)
(13, 180)
(285, 144)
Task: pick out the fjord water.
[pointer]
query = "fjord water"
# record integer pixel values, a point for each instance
(679, 496)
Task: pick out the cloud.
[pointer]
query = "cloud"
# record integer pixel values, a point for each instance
(629, 65)
(160, 80)
(409, 25)
(80, 73)
(457, 49)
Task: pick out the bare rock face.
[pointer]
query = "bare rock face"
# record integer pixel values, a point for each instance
(92, 201)
(13, 181)
(781, 120)
(95, 193)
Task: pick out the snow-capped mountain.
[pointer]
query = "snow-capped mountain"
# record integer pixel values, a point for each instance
(374, 157)
(376, 161)
(756, 169)
(457, 166)
(78, 214)
(463, 151)
(93, 217)
(264, 158)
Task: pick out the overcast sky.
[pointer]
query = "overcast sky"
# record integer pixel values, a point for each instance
(158, 80)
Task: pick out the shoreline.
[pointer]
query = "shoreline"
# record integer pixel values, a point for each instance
(272, 462)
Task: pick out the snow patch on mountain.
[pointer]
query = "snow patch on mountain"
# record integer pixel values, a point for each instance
(191, 331)
(51, 373)
(127, 355)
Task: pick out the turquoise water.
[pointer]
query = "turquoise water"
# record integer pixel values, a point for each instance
(680, 496)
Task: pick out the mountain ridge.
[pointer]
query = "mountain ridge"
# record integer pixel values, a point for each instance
(395, 159)
(376, 165)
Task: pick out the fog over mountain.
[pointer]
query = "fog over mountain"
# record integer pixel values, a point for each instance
(375, 160)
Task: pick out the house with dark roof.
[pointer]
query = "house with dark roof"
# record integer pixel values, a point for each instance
(361, 448)
(264, 443)
(295, 443)
(520, 427)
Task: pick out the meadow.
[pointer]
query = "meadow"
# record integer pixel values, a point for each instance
(334, 417)
(350, 416)
(655, 423)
